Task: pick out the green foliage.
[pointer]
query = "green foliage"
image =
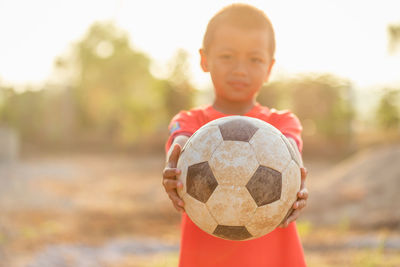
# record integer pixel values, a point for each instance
(106, 95)
(276, 94)
(388, 111)
(179, 92)
(323, 100)
(325, 106)
(326, 100)
(116, 96)
(40, 116)
(23, 111)
(6, 93)
(394, 37)
(114, 90)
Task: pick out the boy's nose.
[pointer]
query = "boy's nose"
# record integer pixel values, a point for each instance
(239, 69)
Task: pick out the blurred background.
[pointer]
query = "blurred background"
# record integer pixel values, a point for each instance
(87, 89)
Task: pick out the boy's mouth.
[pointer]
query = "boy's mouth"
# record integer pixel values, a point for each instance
(238, 84)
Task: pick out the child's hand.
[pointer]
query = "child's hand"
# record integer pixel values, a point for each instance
(301, 202)
(169, 178)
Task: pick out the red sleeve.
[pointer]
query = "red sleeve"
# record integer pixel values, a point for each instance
(183, 123)
(289, 125)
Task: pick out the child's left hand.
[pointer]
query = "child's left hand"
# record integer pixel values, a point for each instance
(301, 202)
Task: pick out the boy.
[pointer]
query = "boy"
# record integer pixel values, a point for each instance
(238, 52)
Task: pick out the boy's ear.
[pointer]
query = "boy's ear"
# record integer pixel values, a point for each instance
(203, 60)
(269, 70)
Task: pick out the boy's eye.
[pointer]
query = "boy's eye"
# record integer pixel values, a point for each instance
(257, 60)
(226, 56)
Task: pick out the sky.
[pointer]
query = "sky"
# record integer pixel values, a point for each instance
(345, 38)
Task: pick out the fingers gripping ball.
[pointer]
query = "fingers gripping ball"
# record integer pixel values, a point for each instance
(240, 177)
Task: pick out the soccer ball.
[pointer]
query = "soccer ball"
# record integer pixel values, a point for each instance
(240, 177)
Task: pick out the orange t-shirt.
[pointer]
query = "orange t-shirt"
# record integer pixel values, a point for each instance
(281, 247)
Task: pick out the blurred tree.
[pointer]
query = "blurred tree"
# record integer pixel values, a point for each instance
(322, 100)
(102, 92)
(324, 105)
(179, 92)
(116, 96)
(394, 37)
(276, 94)
(24, 112)
(326, 101)
(6, 93)
(388, 111)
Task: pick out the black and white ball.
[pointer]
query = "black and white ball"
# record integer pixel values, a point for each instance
(241, 176)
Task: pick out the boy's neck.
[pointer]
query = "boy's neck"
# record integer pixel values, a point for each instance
(233, 108)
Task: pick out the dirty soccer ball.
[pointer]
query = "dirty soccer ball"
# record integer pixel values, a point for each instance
(241, 177)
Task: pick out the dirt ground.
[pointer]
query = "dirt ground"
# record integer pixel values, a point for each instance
(111, 210)
(363, 189)
(81, 199)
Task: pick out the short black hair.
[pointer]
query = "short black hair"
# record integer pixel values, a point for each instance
(242, 16)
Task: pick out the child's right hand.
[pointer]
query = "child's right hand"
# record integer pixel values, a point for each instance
(170, 182)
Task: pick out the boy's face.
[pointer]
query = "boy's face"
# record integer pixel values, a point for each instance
(239, 62)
